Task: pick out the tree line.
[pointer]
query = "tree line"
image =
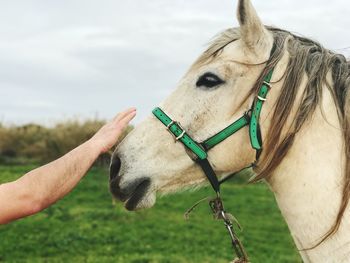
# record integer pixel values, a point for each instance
(32, 143)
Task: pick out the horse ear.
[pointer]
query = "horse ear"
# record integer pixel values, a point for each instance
(253, 32)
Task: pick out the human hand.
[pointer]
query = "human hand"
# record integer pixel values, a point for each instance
(109, 134)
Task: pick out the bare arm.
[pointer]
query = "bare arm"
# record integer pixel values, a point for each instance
(45, 185)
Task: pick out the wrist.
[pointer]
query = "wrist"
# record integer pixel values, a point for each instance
(95, 147)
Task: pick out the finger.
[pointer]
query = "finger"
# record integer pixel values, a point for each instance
(124, 113)
(124, 122)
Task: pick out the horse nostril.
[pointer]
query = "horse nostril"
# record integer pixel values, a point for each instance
(115, 167)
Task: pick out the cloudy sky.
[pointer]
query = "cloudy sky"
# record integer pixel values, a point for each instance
(83, 58)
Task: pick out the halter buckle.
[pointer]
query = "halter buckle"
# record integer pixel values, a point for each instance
(169, 125)
(172, 134)
(180, 136)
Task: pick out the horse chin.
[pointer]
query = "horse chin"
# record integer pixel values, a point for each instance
(140, 201)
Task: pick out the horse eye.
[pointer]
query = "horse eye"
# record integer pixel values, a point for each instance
(209, 80)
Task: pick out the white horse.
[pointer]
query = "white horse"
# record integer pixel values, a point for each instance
(305, 126)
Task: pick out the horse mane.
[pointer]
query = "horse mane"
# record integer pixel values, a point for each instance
(310, 58)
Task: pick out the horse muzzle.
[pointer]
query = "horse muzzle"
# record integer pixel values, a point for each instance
(133, 193)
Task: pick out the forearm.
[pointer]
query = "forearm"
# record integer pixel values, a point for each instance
(44, 186)
(53, 181)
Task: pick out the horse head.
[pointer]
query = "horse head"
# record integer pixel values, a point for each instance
(214, 92)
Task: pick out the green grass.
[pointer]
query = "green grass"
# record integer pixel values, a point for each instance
(86, 226)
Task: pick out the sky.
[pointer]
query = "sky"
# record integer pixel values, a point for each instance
(86, 59)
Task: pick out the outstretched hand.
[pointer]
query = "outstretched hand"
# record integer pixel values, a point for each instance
(109, 134)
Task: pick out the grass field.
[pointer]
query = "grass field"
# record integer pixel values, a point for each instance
(86, 226)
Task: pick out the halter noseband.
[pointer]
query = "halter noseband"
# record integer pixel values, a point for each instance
(200, 152)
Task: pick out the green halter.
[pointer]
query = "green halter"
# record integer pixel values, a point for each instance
(200, 150)
(199, 153)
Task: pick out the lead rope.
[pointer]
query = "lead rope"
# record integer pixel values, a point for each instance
(219, 213)
(217, 207)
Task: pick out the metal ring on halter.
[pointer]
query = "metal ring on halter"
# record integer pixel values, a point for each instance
(267, 84)
(261, 98)
(180, 136)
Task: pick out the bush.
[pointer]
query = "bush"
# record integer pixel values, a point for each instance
(34, 143)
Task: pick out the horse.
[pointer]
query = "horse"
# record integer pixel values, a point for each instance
(304, 123)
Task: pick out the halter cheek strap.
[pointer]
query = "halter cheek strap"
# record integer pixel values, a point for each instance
(254, 129)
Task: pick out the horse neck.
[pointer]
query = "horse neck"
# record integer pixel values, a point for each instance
(308, 186)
